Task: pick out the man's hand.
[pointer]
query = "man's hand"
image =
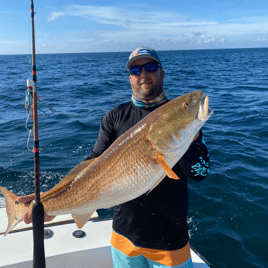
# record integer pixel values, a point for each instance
(27, 217)
(196, 136)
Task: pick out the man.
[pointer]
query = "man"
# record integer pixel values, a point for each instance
(151, 230)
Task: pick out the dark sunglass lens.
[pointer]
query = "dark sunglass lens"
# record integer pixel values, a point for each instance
(151, 67)
(135, 70)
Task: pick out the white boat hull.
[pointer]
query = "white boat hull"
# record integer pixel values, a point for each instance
(63, 249)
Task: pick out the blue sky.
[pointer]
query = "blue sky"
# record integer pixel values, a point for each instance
(69, 26)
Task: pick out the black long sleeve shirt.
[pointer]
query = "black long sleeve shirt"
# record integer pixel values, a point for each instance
(157, 220)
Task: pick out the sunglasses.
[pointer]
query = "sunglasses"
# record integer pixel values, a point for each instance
(149, 67)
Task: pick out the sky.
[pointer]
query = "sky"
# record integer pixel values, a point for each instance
(78, 26)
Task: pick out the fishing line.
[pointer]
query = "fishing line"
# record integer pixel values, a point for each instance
(29, 135)
(29, 108)
(30, 131)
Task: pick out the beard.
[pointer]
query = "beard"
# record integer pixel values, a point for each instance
(147, 90)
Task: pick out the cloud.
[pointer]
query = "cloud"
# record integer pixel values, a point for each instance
(261, 39)
(132, 26)
(210, 40)
(102, 14)
(128, 17)
(127, 23)
(198, 34)
(168, 22)
(55, 15)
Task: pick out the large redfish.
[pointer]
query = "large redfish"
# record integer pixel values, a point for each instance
(134, 164)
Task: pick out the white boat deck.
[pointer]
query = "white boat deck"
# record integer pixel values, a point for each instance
(63, 249)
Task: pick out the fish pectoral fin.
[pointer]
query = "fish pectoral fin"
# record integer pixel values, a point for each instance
(81, 220)
(170, 173)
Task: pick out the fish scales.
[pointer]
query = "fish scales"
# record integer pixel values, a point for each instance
(109, 177)
(125, 175)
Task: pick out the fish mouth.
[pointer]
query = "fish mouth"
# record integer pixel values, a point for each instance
(204, 112)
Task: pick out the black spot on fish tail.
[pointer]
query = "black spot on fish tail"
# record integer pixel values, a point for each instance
(16, 202)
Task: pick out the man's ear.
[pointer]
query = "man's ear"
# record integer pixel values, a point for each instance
(163, 73)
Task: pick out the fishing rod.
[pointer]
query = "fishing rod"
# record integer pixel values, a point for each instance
(38, 209)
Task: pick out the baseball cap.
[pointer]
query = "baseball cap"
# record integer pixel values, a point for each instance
(142, 52)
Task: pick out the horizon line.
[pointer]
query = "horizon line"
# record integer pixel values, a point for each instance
(194, 49)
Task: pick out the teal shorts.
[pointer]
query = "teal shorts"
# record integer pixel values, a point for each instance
(120, 260)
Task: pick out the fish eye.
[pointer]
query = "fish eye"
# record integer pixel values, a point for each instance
(186, 104)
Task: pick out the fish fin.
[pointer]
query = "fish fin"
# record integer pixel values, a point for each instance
(156, 184)
(14, 209)
(68, 178)
(170, 173)
(81, 220)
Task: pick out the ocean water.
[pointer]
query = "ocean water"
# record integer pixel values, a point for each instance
(228, 211)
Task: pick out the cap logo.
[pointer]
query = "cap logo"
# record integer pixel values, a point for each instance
(143, 50)
(136, 53)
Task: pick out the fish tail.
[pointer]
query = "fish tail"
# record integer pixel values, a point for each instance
(14, 209)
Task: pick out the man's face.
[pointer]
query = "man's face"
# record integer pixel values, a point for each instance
(146, 86)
